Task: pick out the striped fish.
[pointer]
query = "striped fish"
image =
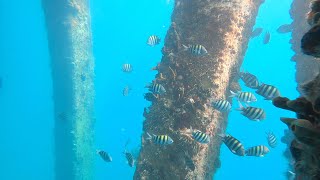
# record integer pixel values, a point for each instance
(196, 49)
(156, 88)
(127, 68)
(272, 139)
(249, 80)
(160, 139)
(221, 105)
(233, 144)
(246, 97)
(104, 155)
(153, 40)
(200, 137)
(129, 158)
(268, 91)
(259, 151)
(253, 113)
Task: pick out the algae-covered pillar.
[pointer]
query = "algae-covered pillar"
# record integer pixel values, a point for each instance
(223, 28)
(72, 63)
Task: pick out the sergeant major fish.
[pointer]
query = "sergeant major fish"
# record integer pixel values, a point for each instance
(253, 113)
(156, 88)
(104, 155)
(256, 32)
(201, 137)
(127, 68)
(249, 80)
(153, 40)
(129, 158)
(196, 49)
(268, 91)
(221, 105)
(246, 97)
(259, 151)
(233, 144)
(272, 139)
(160, 139)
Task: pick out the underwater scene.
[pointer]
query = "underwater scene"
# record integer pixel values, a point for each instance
(160, 90)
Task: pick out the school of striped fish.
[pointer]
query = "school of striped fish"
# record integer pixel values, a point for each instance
(267, 91)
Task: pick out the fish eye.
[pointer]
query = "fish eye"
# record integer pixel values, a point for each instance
(293, 127)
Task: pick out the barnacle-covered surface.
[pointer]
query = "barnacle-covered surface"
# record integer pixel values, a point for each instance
(223, 27)
(70, 45)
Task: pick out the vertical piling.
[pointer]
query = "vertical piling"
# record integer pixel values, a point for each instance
(72, 63)
(223, 28)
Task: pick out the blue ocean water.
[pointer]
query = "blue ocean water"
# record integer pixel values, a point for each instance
(119, 31)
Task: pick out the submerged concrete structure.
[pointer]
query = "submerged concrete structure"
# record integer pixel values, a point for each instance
(72, 63)
(192, 82)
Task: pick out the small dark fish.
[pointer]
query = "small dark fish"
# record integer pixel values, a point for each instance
(249, 80)
(221, 105)
(285, 28)
(104, 155)
(268, 91)
(156, 88)
(266, 38)
(246, 97)
(200, 137)
(196, 49)
(127, 68)
(129, 158)
(256, 32)
(233, 144)
(126, 91)
(253, 113)
(189, 163)
(153, 40)
(272, 139)
(259, 151)
(160, 139)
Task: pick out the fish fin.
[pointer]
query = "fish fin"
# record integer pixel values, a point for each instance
(185, 48)
(291, 172)
(149, 136)
(233, 94)
(221, 135)
(240, 106)
(97, 151)
(233, 151)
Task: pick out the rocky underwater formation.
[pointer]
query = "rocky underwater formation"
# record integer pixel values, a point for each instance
(304, 145)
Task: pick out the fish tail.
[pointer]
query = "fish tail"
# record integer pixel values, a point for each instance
(149, 136)
(240, 106)
(233, 94)
(185, 48)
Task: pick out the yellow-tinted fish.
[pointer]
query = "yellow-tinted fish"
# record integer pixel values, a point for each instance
(246, 97)
(272, 139)
(160, 139)
(201, 137)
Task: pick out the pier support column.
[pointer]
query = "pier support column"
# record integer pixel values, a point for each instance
(223, 28)
(72, 63)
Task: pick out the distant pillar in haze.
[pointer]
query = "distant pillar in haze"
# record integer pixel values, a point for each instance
(72, 63)
(223, 28)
